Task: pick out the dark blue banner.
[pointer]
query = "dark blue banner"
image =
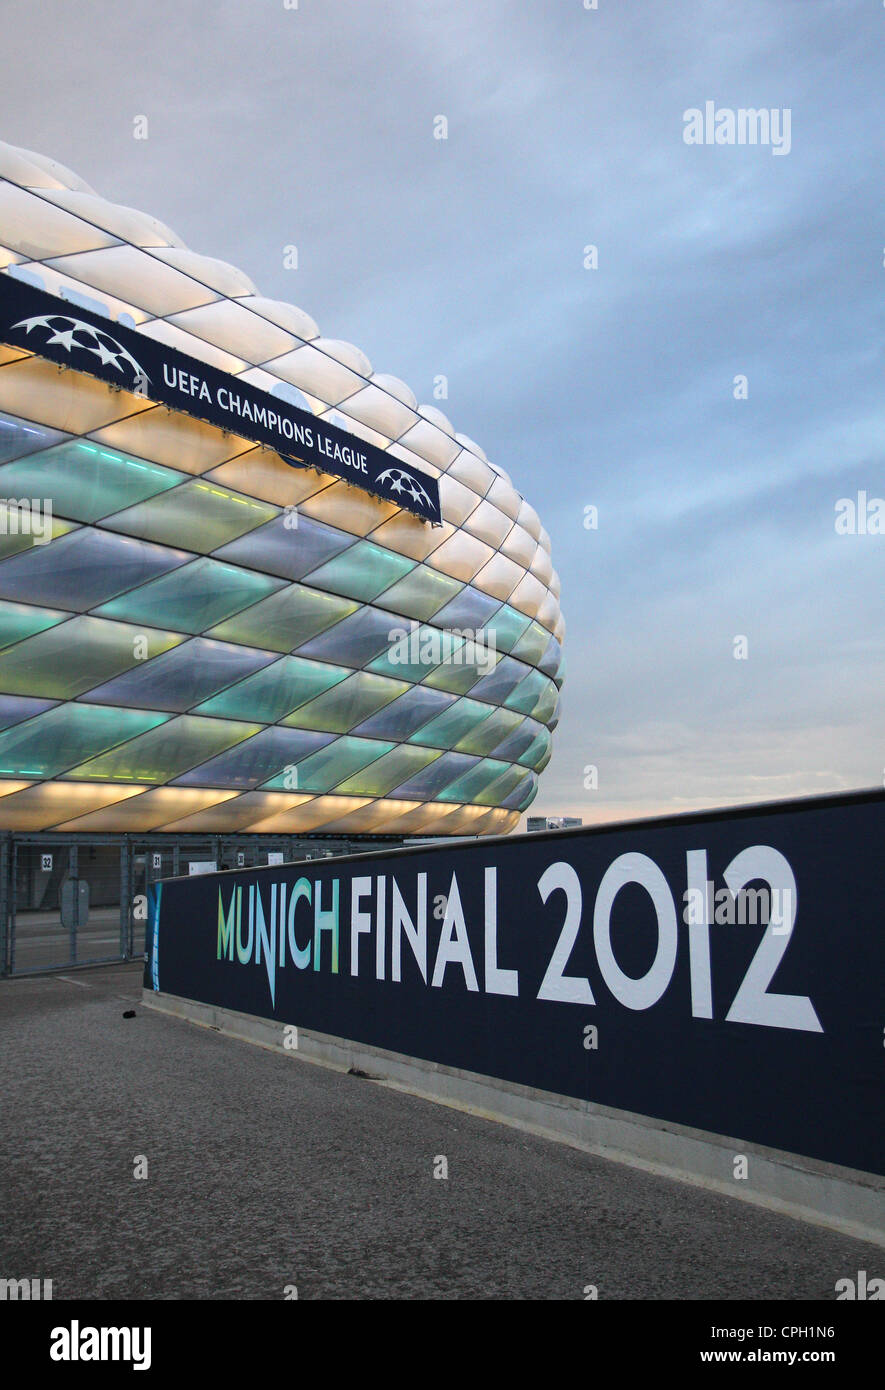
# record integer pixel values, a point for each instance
(724, 971)
(76, 337)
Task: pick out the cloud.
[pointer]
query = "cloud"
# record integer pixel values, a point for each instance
(614, 387)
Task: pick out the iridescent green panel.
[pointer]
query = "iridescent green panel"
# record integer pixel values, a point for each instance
(194, 597)
(166, 752)
(543, 761)
(490, 733)
(533, 644)
(447, 728)
(275, 691)
(361, 572)
(321, 771)
(548, 704)
(85, 480)
(199, 515)
(529, 693)
(500, 788)
(68, 660)
(20, 620)
(508, 626)
(413, 651)
(536, 750)
(22, 527)
(347, 704)
(472, 784)
(388, 772)
(45, 746)
(286, 619)
(466, 666)
(421, 594)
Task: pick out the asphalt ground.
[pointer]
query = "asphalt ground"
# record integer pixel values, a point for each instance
(265, 1171)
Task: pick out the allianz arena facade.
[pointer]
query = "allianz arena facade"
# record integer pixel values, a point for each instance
(202, 633)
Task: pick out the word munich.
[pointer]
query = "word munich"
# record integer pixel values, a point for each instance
(275, 931)
(228, 401)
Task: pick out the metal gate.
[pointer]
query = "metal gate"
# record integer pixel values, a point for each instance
(71, 900)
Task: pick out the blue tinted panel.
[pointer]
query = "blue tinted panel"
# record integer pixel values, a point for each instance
(325, 769)
(292, 551)
(406, 714)
(470, 609)
(521, 794)
(15, 708)
(516, 743)
(182, 677)
(536, 750)
(497, 685)
(354, 641)
(259, 758)
(434, 778)
(20, 437)
(472, 784)
(84, 568)
(552, 658)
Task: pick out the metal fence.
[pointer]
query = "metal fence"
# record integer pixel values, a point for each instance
(70, 900)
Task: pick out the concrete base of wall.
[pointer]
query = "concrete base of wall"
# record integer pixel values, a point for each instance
(841, 1199)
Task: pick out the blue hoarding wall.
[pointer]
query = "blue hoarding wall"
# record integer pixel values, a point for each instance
(724, 971)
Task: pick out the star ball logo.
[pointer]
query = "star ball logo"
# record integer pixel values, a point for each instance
(400, 480)
(70, 333)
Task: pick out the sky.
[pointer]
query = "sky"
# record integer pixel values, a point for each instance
(724, 640)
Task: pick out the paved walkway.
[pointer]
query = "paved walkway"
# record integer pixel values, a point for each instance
(266, 1171)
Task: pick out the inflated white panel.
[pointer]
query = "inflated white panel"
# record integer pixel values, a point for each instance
(529, 520)
(61, 175)
(218, 275)
(428, 441)
(456, 500)
(436, 417)
(489, 523)
(548, 613)
(504, 497)
(318, 373)
(287, 316)
(37, 229)
(234, 329)
(125, 223)
(471, 471)
(528, 595)
(380, 410)
(164, 331)
(346, 353)
(542, 566)
(519, 546)
(499, 577)
(135, 275)
(396, 388)
(461, 556)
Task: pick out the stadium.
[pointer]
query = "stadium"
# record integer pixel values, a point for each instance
(201, 633)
